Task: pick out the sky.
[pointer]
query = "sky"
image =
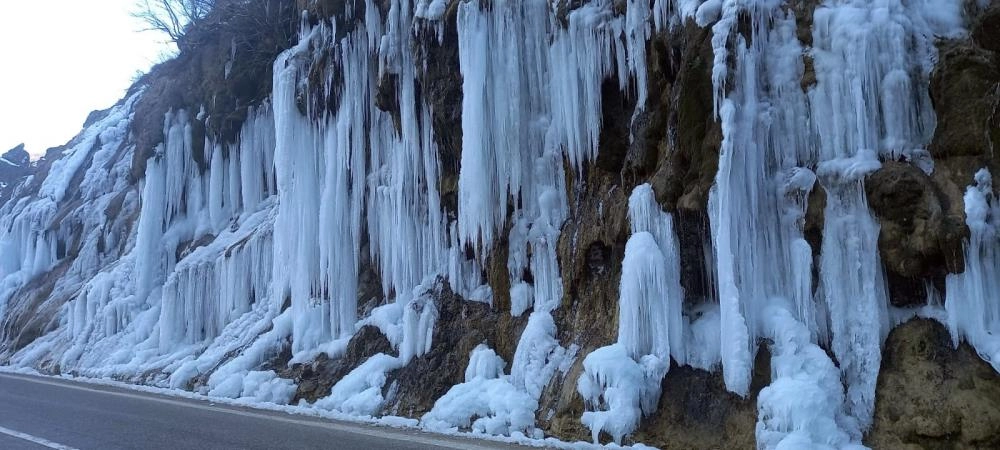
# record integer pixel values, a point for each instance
(62, 59)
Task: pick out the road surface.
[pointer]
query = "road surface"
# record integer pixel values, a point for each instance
(40, 412)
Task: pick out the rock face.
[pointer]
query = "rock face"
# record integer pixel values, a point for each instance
(919, 239)
(965, 89)
(967, 123)
(696, 411)
(18, 156)
(932, 395)
(226, 58)
(315, 379)
(922, 217)
(462, 325)
(14, 166)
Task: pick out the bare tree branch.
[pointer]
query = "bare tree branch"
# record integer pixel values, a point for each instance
(171, 17)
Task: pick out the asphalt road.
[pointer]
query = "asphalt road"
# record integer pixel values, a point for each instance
(39, 412)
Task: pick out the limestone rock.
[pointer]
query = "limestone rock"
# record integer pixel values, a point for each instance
(965, 89)
(914, 238)
(933, 396)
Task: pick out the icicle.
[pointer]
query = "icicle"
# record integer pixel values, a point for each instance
(643, 324)
(618, 390)
(503, 102)
(539, 356)
(581, 57)
(758, 201)
(871, 100)
(972, 305)
(150, 230)
(665, 293)
(314, 176)
(419, 317)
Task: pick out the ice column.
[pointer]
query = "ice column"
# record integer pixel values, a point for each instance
(872, 64)
(973, 297)
(320, 192)
(758, 202)
(502, 110)
(621, 382)
(406, 224)
(651, 293)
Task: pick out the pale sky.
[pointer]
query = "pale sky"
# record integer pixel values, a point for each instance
(61, 59)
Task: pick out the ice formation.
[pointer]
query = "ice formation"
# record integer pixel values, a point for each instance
(621, 382)
(487, 402)
(973, 312)
(869, 101)
(229, 252)
(621, 385)
(803, 405)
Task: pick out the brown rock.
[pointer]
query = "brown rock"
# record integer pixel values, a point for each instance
(440, 86)
(695, 134)
(931, 395)
(461, 326)
(912, 218)
(965, 89)
(315, 379)
(590, 250)
(696, 410)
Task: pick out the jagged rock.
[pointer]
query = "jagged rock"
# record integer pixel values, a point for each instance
(244, 37)
(589, 307)
(693, 235)
(315, 379)
(616, 117)
(95, 116)
(650, 128)
(440, 86)
(460, 327)
(18, 156)
(673, 143)
(39, 316)
(386, 97)
(931, 395)
(804, 10)
(815, 217)
(15, 165)
(696, 410)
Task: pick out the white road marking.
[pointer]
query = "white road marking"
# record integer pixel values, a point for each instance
(347, 427)
(35, 439)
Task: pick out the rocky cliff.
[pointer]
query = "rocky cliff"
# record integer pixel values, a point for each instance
(691, 224)
(15, 165)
